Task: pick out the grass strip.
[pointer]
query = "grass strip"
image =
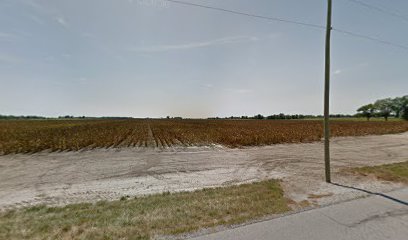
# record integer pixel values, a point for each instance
(146, 217)
(396, 172)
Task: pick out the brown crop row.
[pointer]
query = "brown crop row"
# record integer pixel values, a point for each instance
(26, 136)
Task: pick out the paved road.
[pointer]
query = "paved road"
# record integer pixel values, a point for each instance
(375, 217)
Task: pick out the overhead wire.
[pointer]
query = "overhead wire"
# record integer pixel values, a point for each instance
(248, 14)
(276, 19)
(357, 35)
(379, 9)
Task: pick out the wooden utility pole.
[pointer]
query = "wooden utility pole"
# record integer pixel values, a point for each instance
(327, 94)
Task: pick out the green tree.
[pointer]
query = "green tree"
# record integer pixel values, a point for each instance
(259, 116)
(397, 104)
(384, 107)
(404, 108)
(367, 111)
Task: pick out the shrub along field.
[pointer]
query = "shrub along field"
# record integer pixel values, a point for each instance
(29, 136)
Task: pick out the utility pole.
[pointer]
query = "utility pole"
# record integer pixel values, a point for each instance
(327, 94)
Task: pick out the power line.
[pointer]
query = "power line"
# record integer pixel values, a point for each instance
(378, 9)
(248, 14)
(357, 35)
(351, 34)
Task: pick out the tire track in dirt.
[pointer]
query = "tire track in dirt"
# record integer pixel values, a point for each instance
(66, 177)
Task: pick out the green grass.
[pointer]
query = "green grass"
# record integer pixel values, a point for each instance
(146, 217)
(396, 172)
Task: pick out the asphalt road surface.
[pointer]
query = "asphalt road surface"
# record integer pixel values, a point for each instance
(383, 216)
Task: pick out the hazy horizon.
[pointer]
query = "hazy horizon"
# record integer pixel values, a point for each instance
(149, 58)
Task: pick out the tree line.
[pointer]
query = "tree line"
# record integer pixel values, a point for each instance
(283, 116)
(387, 107)
(12, 117)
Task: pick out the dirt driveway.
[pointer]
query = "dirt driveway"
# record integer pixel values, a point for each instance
(105, 174)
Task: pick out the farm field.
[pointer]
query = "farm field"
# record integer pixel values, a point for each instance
(60, 178)
(72, 191)
(30, 136)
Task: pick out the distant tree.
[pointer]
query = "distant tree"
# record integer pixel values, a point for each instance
(367, 111)
(404, 108)
(405, 113)
(384, 107)
(259, 116)
(397, 104)
(20, 117)
(66, 116)
(281, 116)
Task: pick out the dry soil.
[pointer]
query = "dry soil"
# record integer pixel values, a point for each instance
(107, 174)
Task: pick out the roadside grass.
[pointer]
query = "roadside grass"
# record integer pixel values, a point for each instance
(146, 217)
(396, 172)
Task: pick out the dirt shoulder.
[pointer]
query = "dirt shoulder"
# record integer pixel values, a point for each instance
(107, 174)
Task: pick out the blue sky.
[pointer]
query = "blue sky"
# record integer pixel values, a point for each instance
(152, 58)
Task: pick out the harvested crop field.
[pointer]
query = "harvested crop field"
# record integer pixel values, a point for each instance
(32, 136)
(60, 178)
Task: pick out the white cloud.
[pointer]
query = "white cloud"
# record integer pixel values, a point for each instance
(6, 35)
(88, 35)
(354, 67)
(40, 7)
(9, 59)
(36, 19)
(33, 4)
(80, 80)
(151, 3)
(62, 21)
(207, 85)
(239, 90)
(193, 45)
(363, 64)
(49, 58)
(274, 35)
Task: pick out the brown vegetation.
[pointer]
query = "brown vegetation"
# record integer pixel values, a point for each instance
(28, 136)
